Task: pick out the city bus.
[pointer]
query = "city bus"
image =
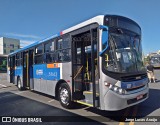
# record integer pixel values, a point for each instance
(97, 63)
(155, 60)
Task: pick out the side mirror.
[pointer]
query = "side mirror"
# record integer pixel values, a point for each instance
(104, 38)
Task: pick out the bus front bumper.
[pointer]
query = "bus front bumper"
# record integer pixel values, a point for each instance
(114, 101)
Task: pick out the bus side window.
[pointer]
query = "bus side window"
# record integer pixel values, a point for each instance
(63, 49)
(39, 54)
(48, 49)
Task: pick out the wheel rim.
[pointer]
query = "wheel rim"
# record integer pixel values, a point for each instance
(19, 84)
(64, 96)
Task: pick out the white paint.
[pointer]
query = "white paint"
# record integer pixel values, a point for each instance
(51, 100)
(3, 85)
(97, 19)
(60, 70)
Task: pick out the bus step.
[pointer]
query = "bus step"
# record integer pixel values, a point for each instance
(78, 95)
(27, 88)
(89, 93)
(85, 102)
(88, 96)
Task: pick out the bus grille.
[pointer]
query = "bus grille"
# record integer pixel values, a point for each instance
(133, 78)
(132, 89)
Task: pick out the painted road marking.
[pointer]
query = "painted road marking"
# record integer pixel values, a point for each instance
(3, 85)
(124, 116)
(134, 114)
(121, 123)
(51, 100)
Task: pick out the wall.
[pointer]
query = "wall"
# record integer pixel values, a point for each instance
(1, 45)
(10, 45)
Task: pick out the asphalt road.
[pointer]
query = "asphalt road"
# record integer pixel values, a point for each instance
(29, 103)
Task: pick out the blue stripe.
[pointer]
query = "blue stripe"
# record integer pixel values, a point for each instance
(133, 84)
(42, 72)
(18, 71)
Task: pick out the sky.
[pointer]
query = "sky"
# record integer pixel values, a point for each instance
(34, 20)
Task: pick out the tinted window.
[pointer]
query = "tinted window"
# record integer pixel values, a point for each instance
(17, 55)
(39, 49)
(64, 55)
(49, 47)
(49, 57)
(122, 22)
(63, 50)
(39, 58)
(63, 43)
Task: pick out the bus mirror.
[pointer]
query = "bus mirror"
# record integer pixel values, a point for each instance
(104, 38)
(101, 53)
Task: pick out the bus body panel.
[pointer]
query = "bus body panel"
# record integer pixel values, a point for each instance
(18, 74)
(67, 73)
(114, 101)
(45, 77)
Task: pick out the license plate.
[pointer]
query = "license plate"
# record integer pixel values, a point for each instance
(139, 97)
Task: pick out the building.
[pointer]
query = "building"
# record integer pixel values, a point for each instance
(8, 45)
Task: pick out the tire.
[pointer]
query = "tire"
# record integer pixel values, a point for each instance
(64, 96)
(19, 84)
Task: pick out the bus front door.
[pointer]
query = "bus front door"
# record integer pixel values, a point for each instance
(85, 85)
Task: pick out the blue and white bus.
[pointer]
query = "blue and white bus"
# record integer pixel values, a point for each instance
(97, 63)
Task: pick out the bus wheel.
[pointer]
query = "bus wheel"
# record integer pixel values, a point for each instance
(19, 84)
(64, 95)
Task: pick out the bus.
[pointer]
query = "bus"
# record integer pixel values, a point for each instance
(97, 63)
(155, 60)
(3, 63)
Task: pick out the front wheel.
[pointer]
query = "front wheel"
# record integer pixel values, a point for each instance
(65, 96)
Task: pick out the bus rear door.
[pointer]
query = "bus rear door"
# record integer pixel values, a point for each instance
(26, 69)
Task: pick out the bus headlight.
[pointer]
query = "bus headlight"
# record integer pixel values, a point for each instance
(117, 89)
(121, 91)
(111, 86)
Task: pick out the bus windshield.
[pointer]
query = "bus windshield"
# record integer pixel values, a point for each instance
(155, 59)
(124, 54)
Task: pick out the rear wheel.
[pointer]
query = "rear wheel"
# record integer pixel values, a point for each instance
(65, 95)
(19, 84)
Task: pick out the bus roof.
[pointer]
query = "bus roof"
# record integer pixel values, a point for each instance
(97, 19)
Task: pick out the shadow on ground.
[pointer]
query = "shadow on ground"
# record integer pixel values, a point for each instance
(143, 109)
(16, 105)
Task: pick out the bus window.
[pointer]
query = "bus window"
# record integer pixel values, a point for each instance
(39, 54)
(49, 51)
(18, 59)
(63, 50)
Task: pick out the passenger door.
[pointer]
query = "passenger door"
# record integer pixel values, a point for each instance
(85, 78)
